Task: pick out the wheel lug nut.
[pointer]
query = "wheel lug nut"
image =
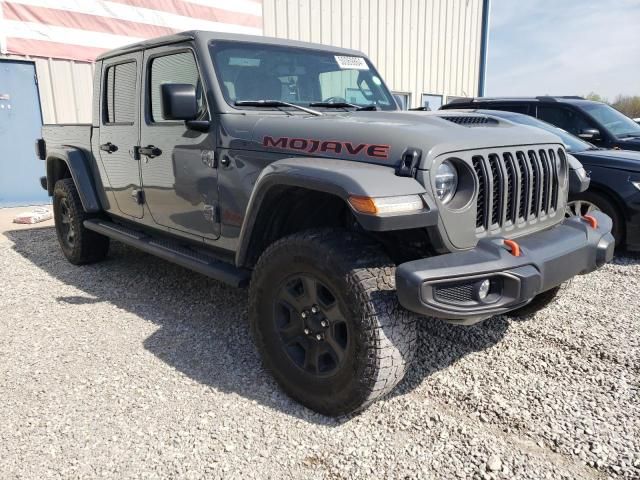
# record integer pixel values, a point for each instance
(314, 309)
(318, 337)
(324, 323)
(307, 331)
(303, 314)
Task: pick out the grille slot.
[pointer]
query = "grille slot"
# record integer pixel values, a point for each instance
(517, 186)
(481, 174)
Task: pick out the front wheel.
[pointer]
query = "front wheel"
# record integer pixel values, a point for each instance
(326, 320)
(588, 202)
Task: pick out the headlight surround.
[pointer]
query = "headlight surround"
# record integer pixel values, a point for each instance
(446, 180)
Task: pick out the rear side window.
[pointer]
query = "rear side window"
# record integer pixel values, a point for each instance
(175, 68)
(120, 93)
(569, 120)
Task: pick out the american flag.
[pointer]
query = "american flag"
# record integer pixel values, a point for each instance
(82, 29)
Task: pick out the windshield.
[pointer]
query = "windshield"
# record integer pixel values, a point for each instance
(571, 142)
(253, 71)
(617, 123)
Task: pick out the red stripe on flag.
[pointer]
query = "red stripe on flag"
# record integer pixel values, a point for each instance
(202, 12)
(42, 48)
(82, 21)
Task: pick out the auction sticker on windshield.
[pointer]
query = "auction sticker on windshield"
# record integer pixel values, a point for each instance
(354, 63)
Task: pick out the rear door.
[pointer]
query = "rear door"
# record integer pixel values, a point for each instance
(569, 119)
(120, 130)
(181, 179)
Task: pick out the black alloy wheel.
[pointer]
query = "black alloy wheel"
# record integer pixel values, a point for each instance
(311, 325)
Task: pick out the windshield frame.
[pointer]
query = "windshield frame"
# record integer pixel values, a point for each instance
(214, 45)
(589, 107)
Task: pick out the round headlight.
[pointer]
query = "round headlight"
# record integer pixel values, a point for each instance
(446, 181)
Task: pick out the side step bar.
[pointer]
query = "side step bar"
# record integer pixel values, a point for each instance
(172, 252)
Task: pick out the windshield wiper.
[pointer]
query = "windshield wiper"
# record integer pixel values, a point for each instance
(275, 103)
(343, 105)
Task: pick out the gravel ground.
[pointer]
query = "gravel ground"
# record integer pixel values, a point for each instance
(138, 368)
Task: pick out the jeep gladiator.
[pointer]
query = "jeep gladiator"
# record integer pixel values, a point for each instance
(288, 167)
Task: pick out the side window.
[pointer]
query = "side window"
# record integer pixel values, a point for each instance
(569, 120)
(175, 68)
(120, 93)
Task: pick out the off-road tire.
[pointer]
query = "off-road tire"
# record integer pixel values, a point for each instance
(608, 207)
(87, 246)
(382, 333)
(540, 301)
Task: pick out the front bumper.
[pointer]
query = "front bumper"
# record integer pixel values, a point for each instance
(445, 286)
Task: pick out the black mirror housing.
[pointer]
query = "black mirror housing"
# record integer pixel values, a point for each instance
(179, 101)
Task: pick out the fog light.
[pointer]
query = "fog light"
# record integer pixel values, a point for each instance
(483, 289)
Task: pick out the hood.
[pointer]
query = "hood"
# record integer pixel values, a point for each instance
(376, 137)
(620, 159)
(630, 143)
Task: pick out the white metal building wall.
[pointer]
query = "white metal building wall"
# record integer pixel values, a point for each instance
(65, 87)
(419, 46)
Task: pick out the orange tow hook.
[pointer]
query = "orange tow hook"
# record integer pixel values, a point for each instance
(591, 221)
(513, 247)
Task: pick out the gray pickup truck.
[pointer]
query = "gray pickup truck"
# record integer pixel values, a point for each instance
(288, 167)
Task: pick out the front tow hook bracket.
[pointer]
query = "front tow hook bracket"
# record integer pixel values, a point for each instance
(513, 247)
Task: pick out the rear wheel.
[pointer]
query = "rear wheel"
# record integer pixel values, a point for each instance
(588, 202)
(325, 318)
(78, 244)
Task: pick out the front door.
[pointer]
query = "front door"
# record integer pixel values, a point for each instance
(120, 130)
(20, 123)
(179, 177)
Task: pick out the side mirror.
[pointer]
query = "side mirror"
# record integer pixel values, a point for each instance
(589, 134)
(400, 102)
(179, 101)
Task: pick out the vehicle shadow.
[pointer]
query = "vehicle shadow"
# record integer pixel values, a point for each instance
(203, 328)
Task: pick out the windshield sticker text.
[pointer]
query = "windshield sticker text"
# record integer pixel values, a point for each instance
(351, 63)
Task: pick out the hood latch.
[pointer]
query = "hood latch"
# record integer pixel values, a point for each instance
(409, 162)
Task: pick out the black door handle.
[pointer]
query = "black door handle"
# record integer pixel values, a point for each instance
(108, 147)
(150, 151)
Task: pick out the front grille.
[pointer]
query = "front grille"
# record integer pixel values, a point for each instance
(516, 186)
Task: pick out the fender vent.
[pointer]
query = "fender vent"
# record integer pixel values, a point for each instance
(470, 121)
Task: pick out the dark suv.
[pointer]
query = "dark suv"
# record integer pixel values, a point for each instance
(596, 122)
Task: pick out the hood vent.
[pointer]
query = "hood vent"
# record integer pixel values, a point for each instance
(470, 121)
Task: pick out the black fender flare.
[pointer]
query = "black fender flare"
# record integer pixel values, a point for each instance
(80, 173)
(342, 178)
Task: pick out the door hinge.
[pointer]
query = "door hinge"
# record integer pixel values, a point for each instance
(138, 196)
(212, 213)
(135, 152)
